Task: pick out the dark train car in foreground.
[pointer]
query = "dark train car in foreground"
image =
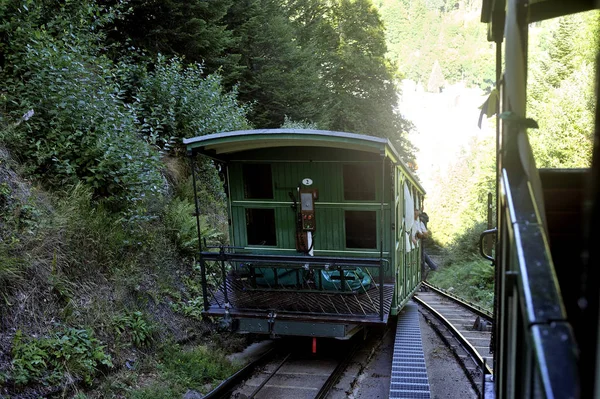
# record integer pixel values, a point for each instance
(547, 263)
(319, 232)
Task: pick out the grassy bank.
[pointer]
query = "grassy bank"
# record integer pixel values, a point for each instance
(92, 304)
(472, 280)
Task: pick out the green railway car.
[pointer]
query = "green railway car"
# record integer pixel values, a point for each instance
(320, 226)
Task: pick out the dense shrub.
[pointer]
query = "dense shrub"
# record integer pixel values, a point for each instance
(80, 129)
(63, 355)
(92, 120)
(178, 101)
(472, 279)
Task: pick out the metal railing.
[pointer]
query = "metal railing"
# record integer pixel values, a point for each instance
(357, 282)
(536, 352)
(535, 348)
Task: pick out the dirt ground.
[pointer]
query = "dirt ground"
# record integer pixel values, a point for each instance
(447, 380)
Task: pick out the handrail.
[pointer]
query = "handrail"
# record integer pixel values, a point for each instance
(294, 262)
(530, 279)
(486, 233)
(535, 348)
(291, 259)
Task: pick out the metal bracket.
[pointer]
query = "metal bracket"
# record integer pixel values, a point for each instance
(510, 278)
(271, 321)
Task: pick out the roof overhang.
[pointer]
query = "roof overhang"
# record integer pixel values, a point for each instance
(222, 146)
(493, 12)
(246, 140)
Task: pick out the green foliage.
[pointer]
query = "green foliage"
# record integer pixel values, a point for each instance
(81, 129)
(19, 222)
(192, 303)
(177, 101)
(92, 238)
(362, 81)
(64, 354)
(191, 29)
(319, 62)
(457, 202)
(561, 90)
(279, 75)
(190, 308)
(472, 279)
(12, 271)
(180, 223)
(133, 327)
(457, 205)
(91, 115)
(288, 123)
(180, 370)
(421, 33)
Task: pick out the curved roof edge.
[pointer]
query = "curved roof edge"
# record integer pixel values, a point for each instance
(236, 133)
(241, 140)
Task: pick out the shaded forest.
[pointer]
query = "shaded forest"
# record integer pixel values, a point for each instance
(99, 291)
(99, 295)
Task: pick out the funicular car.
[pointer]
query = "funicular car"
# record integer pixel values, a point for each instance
(319, 232)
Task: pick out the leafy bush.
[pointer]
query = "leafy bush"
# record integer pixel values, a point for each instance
(472, 280)
(133, 327)
(52, 360)
(289, 123)
(81, 131)
(181, 226)
(178, 101)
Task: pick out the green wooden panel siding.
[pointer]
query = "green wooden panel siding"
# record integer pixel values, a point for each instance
(304, 154)
(327, 179)
(407, 265)
(329, 209)
(329, 235)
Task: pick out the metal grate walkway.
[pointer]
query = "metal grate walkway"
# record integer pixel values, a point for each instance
(409, 373)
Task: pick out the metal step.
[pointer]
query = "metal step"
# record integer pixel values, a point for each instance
(409, 373)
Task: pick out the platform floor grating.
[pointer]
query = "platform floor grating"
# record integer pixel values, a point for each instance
(409, 373)
(318, 302)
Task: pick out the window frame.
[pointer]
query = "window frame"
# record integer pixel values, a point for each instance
(274, 224)
(375, 228)
(371, 166)
(245, 185)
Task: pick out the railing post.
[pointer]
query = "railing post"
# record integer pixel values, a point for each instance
(381, 222)
(381, 289)
(202, 263)
(222, 254)
(342, 278)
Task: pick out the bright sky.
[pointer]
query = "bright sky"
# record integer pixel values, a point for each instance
(444, 123)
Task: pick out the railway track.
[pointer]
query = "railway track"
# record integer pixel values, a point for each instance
(292, 375)
(465, 328)
(296, 373)
(285, 373)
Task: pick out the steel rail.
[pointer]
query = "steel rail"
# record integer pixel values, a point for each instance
(478, 310)
(262, 384)
(337, 372)
(461, 338)
(224, 388)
